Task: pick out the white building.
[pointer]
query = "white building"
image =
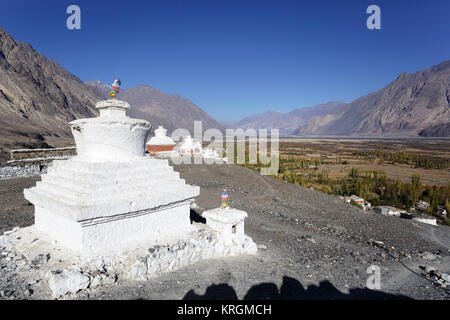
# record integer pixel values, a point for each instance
(190, 147)
(427, 220)
(210, 153)
(390, 211)
(422, 205)
(229, 223)
(442, 213)
(360, 201)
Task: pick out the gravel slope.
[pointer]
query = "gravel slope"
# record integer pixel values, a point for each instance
(314, 246)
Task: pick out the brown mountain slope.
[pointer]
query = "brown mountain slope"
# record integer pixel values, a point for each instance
(411, 104)
(160, 108)
(37, 97)
(440, 130)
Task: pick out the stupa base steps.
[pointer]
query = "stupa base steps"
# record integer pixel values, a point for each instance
(77, 194)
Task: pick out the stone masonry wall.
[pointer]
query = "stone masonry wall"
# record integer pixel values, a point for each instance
(30, 156)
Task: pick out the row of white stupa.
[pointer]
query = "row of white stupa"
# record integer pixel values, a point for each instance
(163, 145)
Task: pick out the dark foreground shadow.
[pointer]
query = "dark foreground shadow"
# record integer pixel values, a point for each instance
(292, 289)
(195, 217)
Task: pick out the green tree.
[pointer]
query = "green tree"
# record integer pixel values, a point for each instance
(354, 174)
(434, 200)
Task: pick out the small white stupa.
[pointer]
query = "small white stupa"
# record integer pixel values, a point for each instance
(208, 153)
(110, 196)
(228, 222)
(190, 147)
(161, 144)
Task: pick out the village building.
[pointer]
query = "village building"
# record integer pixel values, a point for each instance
(422, 205)
(441, 213)
(392, 211)
(190, 147)
(161, 143)
(359, 201)
(210, 154)
(425, 219)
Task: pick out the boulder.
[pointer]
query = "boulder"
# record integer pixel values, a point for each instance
(5, 242)
(40, 259)
(428, 256)
(250, 247)
(96, 280)
(446, 277)
(138, 271)
(77, 281)
(429, 269)
(57, 281)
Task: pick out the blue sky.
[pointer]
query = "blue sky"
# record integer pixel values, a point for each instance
(238, 58)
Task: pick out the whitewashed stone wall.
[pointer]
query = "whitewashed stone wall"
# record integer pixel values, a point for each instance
(205, 243)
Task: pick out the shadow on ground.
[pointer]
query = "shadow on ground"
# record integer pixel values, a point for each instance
(292, 289)
(195, 217)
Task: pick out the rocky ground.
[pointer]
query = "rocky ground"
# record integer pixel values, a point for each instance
(22, 171)
(311, 246)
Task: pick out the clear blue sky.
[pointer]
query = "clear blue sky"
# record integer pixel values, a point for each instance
(238, 58)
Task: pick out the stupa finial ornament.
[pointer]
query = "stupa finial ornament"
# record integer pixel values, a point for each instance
(115, 87)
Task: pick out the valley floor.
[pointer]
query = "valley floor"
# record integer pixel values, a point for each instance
(312, 246)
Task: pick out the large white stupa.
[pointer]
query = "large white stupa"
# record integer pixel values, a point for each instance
(111, 212)
(110, 196)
